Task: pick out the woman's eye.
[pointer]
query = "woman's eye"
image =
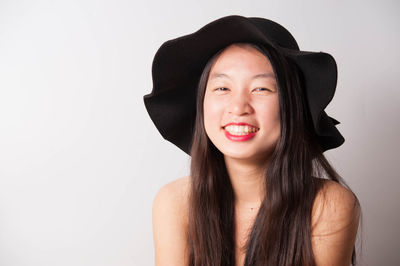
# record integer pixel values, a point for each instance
(262, 89)
(221, 89)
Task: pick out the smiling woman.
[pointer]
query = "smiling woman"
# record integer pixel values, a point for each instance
(248, 108)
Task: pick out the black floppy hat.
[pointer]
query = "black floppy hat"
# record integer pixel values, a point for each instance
(179, 62)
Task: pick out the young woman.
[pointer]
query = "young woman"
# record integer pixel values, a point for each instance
(241, 99)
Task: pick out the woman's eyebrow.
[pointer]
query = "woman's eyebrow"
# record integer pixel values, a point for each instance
(219, 75)
(264, 75)
(222, 75)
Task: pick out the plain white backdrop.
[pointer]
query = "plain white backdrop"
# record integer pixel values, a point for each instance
(81, 161)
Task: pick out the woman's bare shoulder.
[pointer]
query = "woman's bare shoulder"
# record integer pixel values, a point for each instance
(334, 201)
(173, 197)
(174, 193)
(170, 209)
(335, 219)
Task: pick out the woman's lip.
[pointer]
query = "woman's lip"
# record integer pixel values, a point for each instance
(240, 138)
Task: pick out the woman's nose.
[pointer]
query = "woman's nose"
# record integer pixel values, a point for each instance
(240, 104)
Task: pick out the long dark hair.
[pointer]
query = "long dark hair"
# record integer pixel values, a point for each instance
(281, 234)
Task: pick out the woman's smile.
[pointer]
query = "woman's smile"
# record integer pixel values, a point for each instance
(240, 131)
(239, 136)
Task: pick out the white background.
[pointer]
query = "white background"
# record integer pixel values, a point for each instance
(81, 161)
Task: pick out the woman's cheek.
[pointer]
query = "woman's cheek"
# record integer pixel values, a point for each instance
(213, 106)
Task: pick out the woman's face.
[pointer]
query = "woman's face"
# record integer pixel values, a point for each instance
(242, 91)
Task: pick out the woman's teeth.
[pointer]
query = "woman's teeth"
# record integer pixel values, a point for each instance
(240, 130)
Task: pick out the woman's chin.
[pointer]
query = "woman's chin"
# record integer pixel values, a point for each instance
(240, 155)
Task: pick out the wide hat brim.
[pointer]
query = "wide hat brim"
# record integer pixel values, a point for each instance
(179, 62)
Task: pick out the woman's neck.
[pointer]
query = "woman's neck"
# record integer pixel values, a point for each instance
(247, 180)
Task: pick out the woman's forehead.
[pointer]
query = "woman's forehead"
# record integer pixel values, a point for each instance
(242, 58)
